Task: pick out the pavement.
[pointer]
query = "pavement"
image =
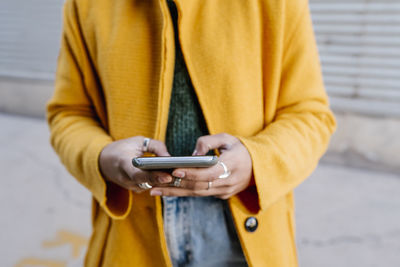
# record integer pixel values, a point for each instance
(346, 217)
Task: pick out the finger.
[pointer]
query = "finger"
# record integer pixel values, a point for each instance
(140, 187)
(160, 177)
(190, 185)
(182, 192)
(224, 197)
(124, 181)
(195, 185)
(196, 174)
(137, 189)
(221, 141)
(228, 191)
(154, 178)
(157, 147)
(136, 176)
(201, 174)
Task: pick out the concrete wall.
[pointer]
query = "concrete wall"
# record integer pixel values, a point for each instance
(366, 142)
(24, 96)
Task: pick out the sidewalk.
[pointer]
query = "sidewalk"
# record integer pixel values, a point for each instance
(348, 218)
(345, 217)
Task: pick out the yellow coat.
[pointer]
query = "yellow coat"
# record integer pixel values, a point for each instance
(255, 69)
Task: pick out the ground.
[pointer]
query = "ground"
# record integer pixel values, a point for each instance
(346, 217)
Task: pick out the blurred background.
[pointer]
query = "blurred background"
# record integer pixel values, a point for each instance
(348, 211)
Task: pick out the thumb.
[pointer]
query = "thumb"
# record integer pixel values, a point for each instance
(159, 148)
(221, 142)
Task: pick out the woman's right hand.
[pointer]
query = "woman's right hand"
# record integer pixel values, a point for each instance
(116, 163)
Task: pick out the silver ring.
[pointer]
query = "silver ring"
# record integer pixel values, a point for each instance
(145, 186)
(209, 185)
(177, 182)
(146, 143)
(226, 171)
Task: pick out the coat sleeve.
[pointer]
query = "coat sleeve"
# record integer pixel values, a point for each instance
(77, 130)
(288, 149)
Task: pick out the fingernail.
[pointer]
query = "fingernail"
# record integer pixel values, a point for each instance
(179, 174)
(165, 179)
(194, 152)
(155, 193)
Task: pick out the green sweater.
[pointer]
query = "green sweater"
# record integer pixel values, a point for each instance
(185, 119)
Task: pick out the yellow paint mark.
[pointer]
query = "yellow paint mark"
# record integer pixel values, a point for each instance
(40, 262)
(65, 237)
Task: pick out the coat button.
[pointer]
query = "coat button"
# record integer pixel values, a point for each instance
(251, 224)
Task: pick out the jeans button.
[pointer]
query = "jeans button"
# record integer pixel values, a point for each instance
(251, 224)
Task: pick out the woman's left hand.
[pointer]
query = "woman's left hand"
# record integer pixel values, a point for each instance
(203, 182)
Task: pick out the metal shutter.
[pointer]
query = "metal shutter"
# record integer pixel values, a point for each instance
(359, 43)
(30, 33)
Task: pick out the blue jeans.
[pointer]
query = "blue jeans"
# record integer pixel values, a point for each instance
(200, 232)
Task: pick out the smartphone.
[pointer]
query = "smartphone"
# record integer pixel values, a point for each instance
(159, 163)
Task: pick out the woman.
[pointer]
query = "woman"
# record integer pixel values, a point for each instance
(238, 77)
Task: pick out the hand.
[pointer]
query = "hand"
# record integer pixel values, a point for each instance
(116, 163)
(195, 181)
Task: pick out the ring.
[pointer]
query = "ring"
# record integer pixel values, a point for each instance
(145, 186)
(146, 143)
(226, 171)
(209, 185)
(177, 182)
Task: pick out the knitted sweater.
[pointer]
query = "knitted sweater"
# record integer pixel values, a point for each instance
(185, 119)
